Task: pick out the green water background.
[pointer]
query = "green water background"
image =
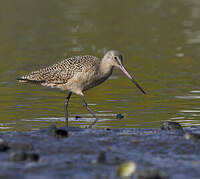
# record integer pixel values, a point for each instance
(160, 41)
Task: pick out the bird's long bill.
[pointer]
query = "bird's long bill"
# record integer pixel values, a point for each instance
(131, 78)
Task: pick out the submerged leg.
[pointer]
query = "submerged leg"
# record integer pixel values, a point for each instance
(66, 105)
(86, 105)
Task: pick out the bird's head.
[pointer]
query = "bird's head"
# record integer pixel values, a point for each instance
(115, 59)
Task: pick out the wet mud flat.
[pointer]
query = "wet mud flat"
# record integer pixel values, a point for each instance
(76, 153)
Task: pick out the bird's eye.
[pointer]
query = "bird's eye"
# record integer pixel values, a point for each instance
(115, 58)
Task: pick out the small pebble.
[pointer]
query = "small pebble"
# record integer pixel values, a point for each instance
(33, 157)
(22, 156)
(77, 117)
(133, 141)
(3, 146)
(60, 133)
(169, 125)
(1, 140)
(102, 157)
(18, 156)
(119, 116)
(126, 169)
(192, 136)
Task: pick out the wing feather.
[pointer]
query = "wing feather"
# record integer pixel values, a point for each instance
(61, 72)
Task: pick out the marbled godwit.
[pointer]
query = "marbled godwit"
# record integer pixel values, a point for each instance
(78, 74)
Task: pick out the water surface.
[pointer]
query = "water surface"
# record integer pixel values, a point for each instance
(160, 42)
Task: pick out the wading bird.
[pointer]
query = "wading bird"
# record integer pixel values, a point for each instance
(78, 74)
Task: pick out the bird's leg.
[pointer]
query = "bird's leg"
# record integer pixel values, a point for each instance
(86, 105)
(66, 105)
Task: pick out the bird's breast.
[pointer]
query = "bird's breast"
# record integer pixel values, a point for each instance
(95, 79)
(85, 80)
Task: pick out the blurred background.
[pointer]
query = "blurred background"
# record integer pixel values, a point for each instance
(159, 40)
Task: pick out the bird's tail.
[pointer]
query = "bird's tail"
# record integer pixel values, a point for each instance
(21, 79)
(29, 78)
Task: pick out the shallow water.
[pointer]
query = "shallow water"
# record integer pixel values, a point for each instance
(160, 42)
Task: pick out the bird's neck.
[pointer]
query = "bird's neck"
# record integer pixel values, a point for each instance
(105, 68)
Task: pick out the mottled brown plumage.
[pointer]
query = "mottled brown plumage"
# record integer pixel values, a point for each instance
(78, 74)
(61, 74)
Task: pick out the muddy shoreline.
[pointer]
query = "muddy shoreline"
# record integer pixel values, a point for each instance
(79, 153)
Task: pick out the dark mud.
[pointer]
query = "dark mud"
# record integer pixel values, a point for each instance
(90, 153)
